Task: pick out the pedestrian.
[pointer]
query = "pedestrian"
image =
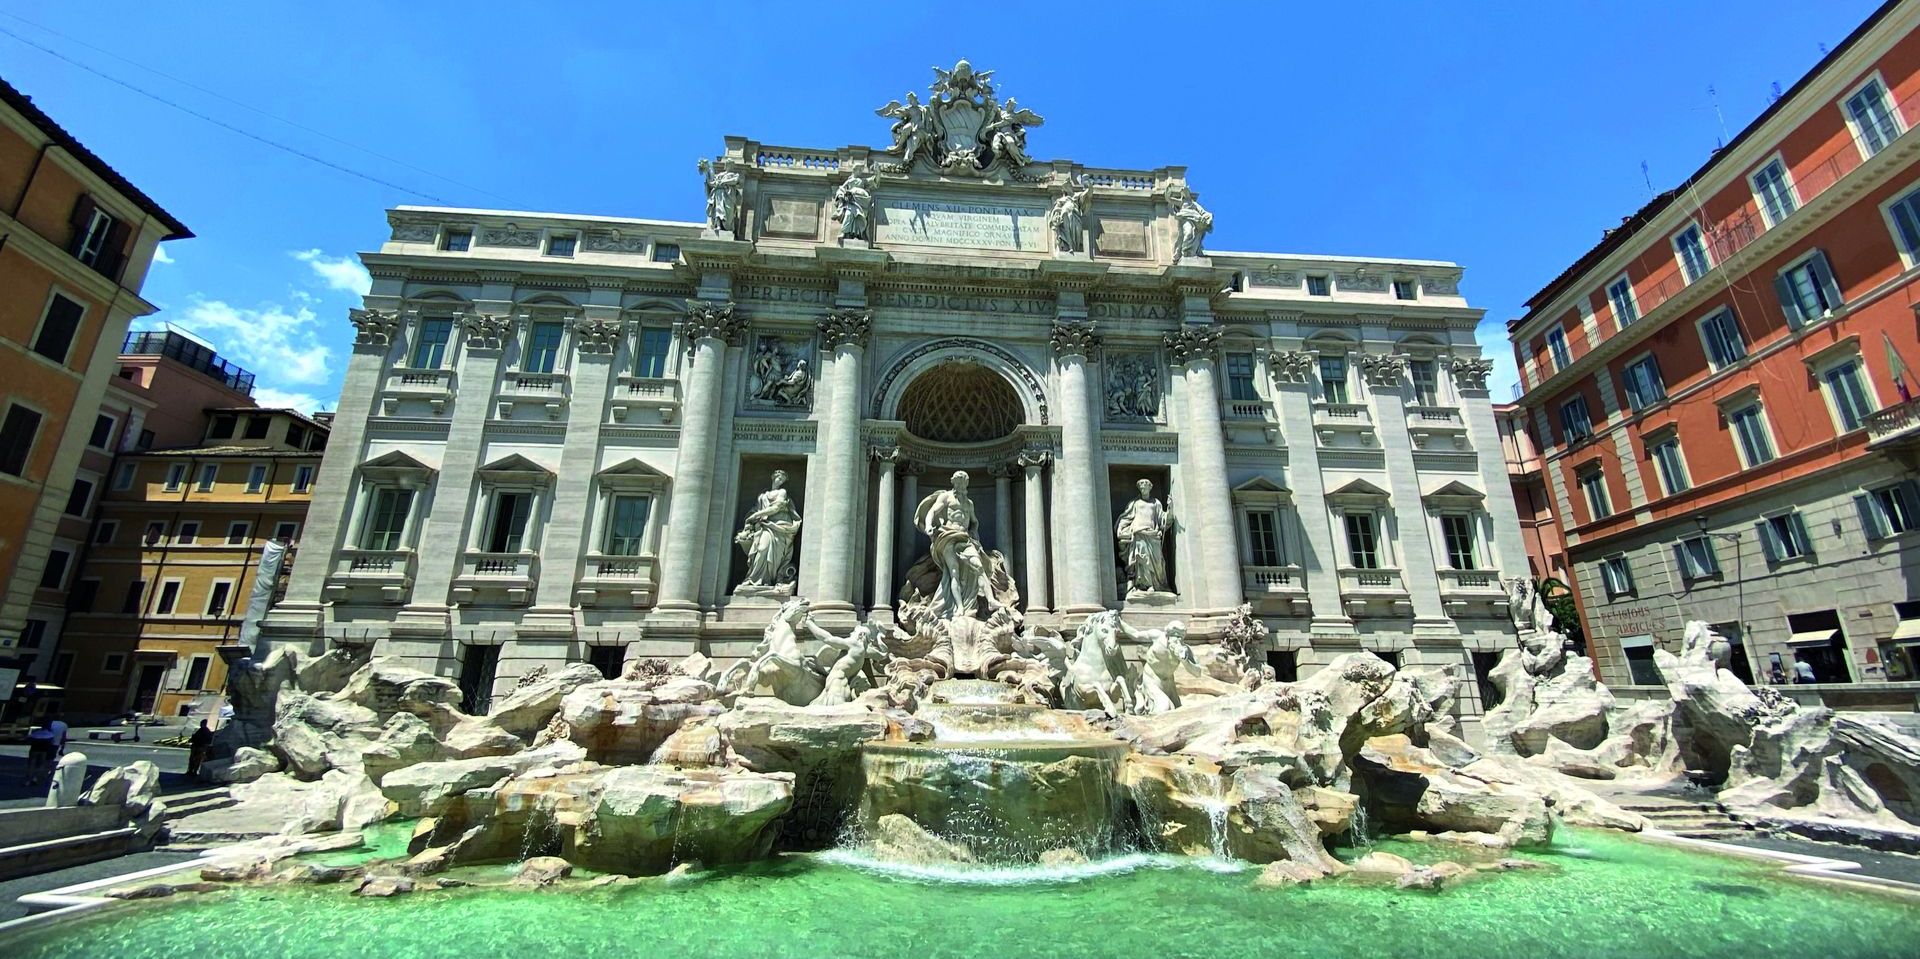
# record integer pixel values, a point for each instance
(197, 746)
(1803, 670)
(44, 745)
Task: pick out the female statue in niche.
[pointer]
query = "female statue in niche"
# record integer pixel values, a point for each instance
(1142, 534)
(767, 536)
(947, 517)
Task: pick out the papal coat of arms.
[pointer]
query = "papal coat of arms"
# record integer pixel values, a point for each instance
(963, 128)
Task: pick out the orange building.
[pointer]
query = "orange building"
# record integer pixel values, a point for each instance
(1721, 396)
(76, 240)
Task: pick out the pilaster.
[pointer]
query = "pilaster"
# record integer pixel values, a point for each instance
(1203, 450)
(1292, 379)
(596, 339)
(1385, 376)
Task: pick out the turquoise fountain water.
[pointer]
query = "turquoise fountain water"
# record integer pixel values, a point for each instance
(1604, 896)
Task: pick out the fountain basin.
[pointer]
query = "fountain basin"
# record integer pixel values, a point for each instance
(995, 800)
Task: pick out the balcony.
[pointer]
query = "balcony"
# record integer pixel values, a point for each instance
(433, 386)
(546, 392)
(1249, 421)
(1374, 592)
(1333, 420)
(1896, 426)
(638, 399)
(1280, 590)
(1465, 591)
(496, 578)
(617, 581)
(387, 571)
(1436, 427)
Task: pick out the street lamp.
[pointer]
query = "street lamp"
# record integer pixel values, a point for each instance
(1739, 584)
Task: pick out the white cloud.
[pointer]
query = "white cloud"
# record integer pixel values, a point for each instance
(160, 254)
(1492, 336)
(303, 402)
(343, 273)
(281, 345)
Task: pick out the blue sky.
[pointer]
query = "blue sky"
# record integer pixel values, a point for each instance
(1503, 136)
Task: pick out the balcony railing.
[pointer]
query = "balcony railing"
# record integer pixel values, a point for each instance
(200, 358)
(1255, 410)
(622, 580)
(535, 384)
(1898, 420)
(408, 379)
(1285, 580)
(1371, 582)
(504, 566)
(1475, 581)
(1354, 414)
(390, 571)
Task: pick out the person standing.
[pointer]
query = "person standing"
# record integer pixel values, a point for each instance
(197, 746)
(1803, 670)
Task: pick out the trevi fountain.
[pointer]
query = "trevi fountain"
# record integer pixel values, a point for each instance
(976, 774)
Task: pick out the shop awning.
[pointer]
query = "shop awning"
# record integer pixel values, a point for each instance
(1907, 632)
(1815, 637)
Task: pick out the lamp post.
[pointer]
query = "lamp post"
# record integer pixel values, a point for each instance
(1739, 586)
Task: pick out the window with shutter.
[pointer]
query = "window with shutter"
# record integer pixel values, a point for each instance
(1808, 290)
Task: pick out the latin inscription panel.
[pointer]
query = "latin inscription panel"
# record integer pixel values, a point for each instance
(979, 226)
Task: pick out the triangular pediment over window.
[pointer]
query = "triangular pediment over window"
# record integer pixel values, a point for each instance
(515, 468)
(398, 469)
(1455, 491)
(1358, 487)
(632, 474)
(1262, 491)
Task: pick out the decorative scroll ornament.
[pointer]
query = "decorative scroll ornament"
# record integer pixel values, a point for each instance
(374, 327)
(714, 320)
(596, 335)
(487, 331)
(845, 326)
(1382, 369)
(1291, 366)
(1074, 339)
(1471, 372)
(1193, 344)
(962, 129)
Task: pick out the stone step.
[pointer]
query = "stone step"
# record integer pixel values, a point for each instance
(181, 805)
(27, 859)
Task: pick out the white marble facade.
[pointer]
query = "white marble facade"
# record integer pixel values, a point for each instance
(553, 426)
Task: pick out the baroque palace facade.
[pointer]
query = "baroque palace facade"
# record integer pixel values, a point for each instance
(594, 438)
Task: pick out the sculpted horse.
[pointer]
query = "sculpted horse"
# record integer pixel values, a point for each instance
(1097, 677)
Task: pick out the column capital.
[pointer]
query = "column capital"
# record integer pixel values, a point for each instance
(597, 335)
(1470, 372)
(1382, 369)
(718, 321)
(1004, 471)
(487, 331)
(845, 326)
(888, 456)
(1192, 344)
(1071, 338)
(907, 467)
(374, 327)
(1291, 366)
(1031, 460)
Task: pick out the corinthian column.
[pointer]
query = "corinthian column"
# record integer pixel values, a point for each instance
(883, 531)
(1209, 505)
(709, 328)
(843, 338)
(1083, 524)
(1036, 562)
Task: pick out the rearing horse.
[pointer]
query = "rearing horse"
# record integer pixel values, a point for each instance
(1098, 674)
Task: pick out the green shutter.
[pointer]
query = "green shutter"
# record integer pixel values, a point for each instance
(1823, 273)
(1871, 521)
(1783, 288)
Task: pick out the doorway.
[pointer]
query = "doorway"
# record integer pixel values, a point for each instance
(476, 678)
(146, 687)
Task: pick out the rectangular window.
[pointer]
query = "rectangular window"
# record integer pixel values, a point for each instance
(1333, 379)
(666, 252)
(1720, 332)
(1263, 535)
(627, 525)
(169, 597)
(1905, 213)
(507, 528)
(1751, 431)
(156, 531)
(1319, 286)
(1871, 117)
(1575, 424)
(209, 473)
(1643, 383)
(189, 533)
(57, 328)
(1240, 377)
(1784, 537)
(34, 634)
(561, 244)
(1850, 403)
(456, 241)
(104, 533)
(651, 360)
(146, 440)
(1457, 532)
(387, 518)
(1620, 294)
(123, 477)
(302, 478)
(222, 426)
(296, 436)
(1426, 382)
(113, 662)
(543, 347)
(1776, 195)
(1888, 510)
(256, 477)
(1403, 290)
(197, 672)
(1696, 558)
(102, 434)
(1667, 462)
(430, 349)
(92, 238)
(238, 532)
(1617, 575)
(1557, 345)
(217, 598)
(82, 597)
(16, 439)
(286, 532)
(54, 575)
(1692, 251)
(176, 475)
(1807, 290)
(80, 498)
(136, 591)
(1363, 541)
(257, 427)
(1594, 485)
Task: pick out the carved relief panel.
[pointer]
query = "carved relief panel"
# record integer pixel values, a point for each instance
(1133, 388)
(780, 372)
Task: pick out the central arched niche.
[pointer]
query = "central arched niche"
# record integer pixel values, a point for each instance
(960, 402)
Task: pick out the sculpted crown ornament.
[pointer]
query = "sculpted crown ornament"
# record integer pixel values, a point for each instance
(1382, 369)
(1074, 339)
(487, 331)
(716, 320)
(963, 129)
(374, 327)
(1471, 372)
(846, 325)
(596, 335)
(1193, 344)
